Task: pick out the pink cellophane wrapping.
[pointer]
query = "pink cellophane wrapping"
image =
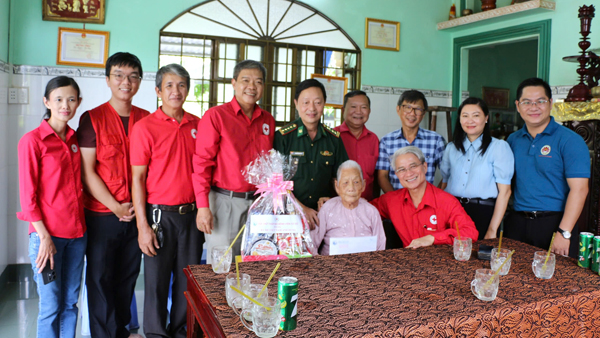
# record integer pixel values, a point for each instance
(271, 173)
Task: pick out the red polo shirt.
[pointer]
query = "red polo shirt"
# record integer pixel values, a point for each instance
(50, 182)
(436, 215)
(365, 151)
(166, 147)
(227, 142)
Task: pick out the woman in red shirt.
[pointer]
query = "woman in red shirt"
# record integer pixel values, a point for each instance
(51, 196)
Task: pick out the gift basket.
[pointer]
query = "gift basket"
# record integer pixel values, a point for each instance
(276, 227)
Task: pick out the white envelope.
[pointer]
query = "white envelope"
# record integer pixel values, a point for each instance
(348, 245)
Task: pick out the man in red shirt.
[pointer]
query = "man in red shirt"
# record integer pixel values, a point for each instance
(361, 144)
(233, 135)
(422, 214)
(113, 254)
(162, 146)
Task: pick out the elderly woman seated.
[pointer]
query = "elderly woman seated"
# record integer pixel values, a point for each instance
(348, 215)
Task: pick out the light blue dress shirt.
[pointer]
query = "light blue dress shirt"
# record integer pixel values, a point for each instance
(474, 176)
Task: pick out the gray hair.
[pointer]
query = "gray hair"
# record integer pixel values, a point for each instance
(406, 150)
(249, 64)
(174, 69)
(349, 165)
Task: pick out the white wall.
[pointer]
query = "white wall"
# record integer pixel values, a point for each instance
(19, 119)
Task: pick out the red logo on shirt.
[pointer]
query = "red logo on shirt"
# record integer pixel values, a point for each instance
(433, 219)
(74, 148)
(546, 150)
(266, 129)
(194, 133)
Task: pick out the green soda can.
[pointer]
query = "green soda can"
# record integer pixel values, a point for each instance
(585, 249)
(595, 254)
(287, 292)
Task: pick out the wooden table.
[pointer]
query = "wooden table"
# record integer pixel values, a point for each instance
(410, 293)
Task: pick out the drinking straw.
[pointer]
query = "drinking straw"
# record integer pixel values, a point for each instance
(248, 297)
(457, 231)
(268, 280)
(237, 274)
(231, 245)
(500, 241)
(548, 253)
(500, 268)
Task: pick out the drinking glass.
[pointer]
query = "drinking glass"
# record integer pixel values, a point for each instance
(538, 265)
(265, 322)
(231, 279)
(462, 249)
(498, 258)
(480, 287)
(217, 253)
(252, 291)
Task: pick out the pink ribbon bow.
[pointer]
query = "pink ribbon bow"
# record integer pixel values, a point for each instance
(278, 187)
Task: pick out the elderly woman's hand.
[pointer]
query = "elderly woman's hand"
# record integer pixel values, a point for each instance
(311, 216)
(322, 201)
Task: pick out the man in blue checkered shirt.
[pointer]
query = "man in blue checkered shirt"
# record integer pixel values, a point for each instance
(411, 109)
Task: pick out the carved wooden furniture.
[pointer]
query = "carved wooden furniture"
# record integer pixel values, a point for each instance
(584, 119)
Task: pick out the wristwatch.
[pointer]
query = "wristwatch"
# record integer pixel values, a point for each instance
(566, 234)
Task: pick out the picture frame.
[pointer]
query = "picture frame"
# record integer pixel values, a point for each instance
(82, 48)
(382, 34)
(496, 97)
(335, 88)
(86, 11)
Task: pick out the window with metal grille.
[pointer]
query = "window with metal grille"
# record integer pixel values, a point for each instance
(210, 59)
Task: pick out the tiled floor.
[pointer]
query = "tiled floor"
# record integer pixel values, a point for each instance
(19, 309)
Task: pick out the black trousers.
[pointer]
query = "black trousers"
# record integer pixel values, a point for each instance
(538, 232)
(113, 265)
(481, 216)
(392, 240)
(182, 246)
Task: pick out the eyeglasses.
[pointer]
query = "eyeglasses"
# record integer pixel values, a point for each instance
(401, 171)
(132, 78)
(530, 104)
(408, 109)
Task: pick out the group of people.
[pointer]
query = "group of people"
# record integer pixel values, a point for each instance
(129, 182)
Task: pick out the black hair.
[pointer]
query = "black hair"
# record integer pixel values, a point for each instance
(310, 83)
(353, 94)
(412, 96)
(249, 64)
(123, 59)
(55, 83)
(459, 133)
(534, 82)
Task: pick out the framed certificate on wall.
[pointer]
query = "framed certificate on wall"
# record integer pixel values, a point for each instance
(83, 48)
(382, 34)
(335, 88)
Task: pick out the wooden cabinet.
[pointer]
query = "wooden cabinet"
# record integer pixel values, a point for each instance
(584, 119)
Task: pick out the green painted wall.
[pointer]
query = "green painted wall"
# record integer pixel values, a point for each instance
(565, 35)
(424, 59)
(422, 62)
(4, 9)
(501, 67)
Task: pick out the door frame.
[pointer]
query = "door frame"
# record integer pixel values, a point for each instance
(541, 29)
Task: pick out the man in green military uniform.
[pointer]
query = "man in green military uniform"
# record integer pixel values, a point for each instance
(318, 148)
